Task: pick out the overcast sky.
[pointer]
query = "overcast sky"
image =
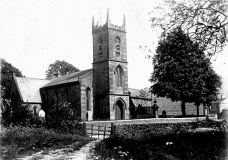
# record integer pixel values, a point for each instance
(36, 33)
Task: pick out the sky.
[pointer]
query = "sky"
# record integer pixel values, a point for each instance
(36, 33)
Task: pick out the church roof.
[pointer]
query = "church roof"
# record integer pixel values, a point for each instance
(28, 88)
(73, 77)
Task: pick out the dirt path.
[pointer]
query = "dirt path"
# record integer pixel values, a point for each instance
(85, 153)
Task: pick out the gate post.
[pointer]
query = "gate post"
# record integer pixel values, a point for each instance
(84, 127)
(112, 128)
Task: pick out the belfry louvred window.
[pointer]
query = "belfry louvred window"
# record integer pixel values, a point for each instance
(118, 76)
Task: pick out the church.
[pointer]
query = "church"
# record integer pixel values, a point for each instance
(100, 93)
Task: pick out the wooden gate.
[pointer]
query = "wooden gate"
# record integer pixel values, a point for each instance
(99, 131)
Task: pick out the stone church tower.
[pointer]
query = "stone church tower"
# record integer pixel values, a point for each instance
(110, 71)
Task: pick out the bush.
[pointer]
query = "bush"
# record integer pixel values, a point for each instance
(22, 116)
(61, 118)
(185, 145)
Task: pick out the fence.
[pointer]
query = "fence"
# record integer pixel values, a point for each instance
(99, 130)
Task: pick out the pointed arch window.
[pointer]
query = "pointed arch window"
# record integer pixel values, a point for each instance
(88, 99)
(102, 106)
(47, 99)
(56, 97)
(66, 95)
(118, 76)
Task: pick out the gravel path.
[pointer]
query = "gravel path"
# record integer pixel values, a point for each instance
(85, 153)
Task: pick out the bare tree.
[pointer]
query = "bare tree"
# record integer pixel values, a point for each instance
(205, 21)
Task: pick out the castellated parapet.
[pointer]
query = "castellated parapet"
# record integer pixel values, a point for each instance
(108, 25)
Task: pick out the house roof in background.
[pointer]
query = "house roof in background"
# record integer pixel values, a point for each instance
(73, 77)
(28, 88)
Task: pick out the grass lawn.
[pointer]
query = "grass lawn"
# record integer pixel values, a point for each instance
(19, 141)
(186, 145)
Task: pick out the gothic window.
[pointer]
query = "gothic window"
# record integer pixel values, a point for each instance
(56, 97)
(88, 99)
(100, 46)
(118, 74)
(47, 99)
(66, 95)
(34, 109)
(102, 106)
(117, 45)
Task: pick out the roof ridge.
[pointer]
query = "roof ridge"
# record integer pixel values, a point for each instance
(34, 78)
(72, 77)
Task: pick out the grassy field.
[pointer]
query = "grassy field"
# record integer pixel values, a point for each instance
(207, 145)
(19, 141)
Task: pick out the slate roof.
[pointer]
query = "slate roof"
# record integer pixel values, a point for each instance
(28, 88)
(219, 100)
(73, 77)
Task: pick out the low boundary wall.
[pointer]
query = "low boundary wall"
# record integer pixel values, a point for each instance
(151, 120)
(141, 127)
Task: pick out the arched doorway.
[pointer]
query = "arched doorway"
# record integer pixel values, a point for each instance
(119, 110)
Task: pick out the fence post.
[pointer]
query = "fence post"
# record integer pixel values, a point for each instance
(84, 127)
(91, 130)
(112, 128)
(98, 131)
(104, 131)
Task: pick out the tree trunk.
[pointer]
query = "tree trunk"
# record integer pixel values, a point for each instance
(183, 108)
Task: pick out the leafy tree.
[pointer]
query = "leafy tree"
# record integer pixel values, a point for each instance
(7, 71)
(182, 72)
(60, 67)
(205, 21)
(206, 88)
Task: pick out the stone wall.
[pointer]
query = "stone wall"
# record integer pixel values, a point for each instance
(70, 89)
(85, 83)
(141, 130)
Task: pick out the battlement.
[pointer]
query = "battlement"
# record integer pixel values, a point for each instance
(108, 25)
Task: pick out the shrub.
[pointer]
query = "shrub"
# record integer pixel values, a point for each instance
(61, 117)
(22, 116)
(184, 145)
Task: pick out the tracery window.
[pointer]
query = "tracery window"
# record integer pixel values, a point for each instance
(56, 97)
(88, 99)
(118, 76)
(66, 95)
(102, 106)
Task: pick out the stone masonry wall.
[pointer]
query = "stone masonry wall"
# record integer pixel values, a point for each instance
(48, 97)
(86, 82)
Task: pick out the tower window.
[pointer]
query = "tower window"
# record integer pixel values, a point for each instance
(88, 99)
(117, 45)
(118, 76)
(100, 46)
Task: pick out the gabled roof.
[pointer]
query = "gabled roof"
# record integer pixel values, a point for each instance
(73, 77)
(28, 88)
(134, 92)
(219, 100)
